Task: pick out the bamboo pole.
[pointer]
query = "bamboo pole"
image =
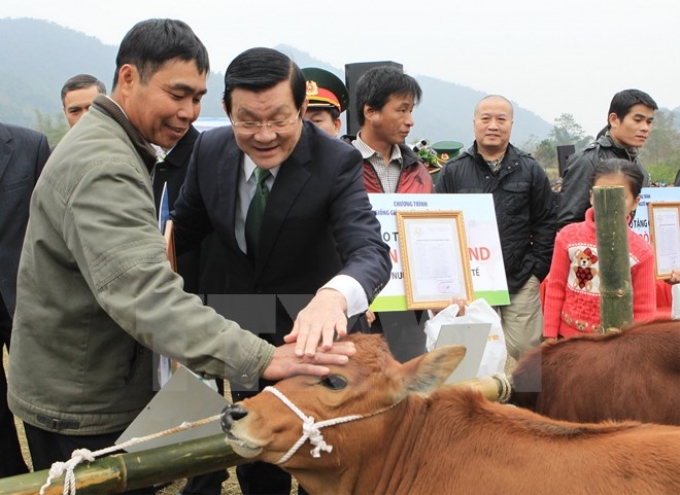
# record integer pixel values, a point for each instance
(122, 472)
(616, 290)
(496, 388)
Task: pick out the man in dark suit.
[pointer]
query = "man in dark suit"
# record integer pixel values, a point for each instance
(317, 248)
(23, 154)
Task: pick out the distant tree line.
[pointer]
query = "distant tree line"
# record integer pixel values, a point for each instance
(52, 126)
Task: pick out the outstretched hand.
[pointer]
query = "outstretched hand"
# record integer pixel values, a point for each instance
(318, 323)
(287, 362)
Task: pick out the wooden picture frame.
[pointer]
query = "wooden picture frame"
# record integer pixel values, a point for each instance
(664, 235)
(435, 258)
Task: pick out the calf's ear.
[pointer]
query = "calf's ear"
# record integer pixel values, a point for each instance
(427, 372)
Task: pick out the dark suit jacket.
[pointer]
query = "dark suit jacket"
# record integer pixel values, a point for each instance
(172, 172)
(202, 269)
(23, 153)
(173, 168)
(318, 222)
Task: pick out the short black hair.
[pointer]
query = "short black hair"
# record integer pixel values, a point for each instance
(376, 85)
(258, 69)
(152, 43)
(624, 100)
(81, 81)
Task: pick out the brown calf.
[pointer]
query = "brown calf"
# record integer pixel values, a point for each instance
(631, 375)
(375, 426)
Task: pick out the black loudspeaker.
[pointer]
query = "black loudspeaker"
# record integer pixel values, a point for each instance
(563, 154)
(352, 74)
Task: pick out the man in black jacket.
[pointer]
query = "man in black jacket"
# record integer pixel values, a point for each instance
(525, 213)
(629, 124)
(23, 153)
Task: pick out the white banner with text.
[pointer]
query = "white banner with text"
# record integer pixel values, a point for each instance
(481, 231)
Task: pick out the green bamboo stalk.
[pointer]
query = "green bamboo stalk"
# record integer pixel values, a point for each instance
(122, 472)
(616, 288)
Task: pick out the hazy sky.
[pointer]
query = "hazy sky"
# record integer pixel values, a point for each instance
(549, 57)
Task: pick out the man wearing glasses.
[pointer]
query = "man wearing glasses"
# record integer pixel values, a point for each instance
(303, 247)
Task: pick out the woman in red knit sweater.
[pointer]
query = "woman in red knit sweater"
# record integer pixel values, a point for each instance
(572, 300)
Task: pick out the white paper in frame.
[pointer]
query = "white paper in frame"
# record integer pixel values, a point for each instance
(435, 258)
(664, 230)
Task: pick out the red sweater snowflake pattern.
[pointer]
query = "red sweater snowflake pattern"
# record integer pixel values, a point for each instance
(572, 299)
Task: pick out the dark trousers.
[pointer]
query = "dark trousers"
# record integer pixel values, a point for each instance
(11, 460)
(206, 484)
(210, 483)
(260, 478)
(49, 447)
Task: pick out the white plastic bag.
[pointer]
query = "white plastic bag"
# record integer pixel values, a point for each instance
(434, 324)
(479, 311)
(675, 304)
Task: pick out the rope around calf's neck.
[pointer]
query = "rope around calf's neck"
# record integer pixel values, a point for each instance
(504, 387)
(67, 468)
(312, 430)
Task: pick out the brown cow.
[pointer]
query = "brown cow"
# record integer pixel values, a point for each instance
(379, 427)
(594, 377)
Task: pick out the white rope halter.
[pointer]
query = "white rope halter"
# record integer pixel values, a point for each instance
(312, 430)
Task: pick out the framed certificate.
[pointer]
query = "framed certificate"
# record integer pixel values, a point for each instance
(664, 230)
(434, 258)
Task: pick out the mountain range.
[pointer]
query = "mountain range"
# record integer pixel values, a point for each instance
(38, 56)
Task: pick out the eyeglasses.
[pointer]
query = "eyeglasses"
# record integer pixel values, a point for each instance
(255, 126)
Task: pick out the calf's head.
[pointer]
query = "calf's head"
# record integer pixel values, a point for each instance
(301, 410)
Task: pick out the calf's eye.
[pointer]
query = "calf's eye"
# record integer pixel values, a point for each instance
(334, 382)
